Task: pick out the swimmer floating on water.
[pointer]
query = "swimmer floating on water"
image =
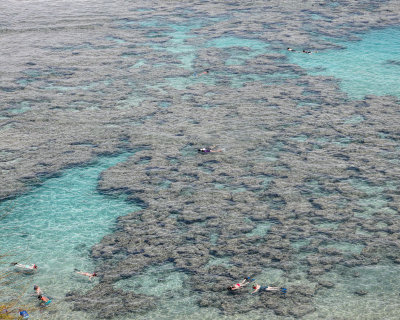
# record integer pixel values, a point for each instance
(200, 74)
(239, 285)
(24, 266)
(37, 290)
(87, 274)
(44, 300)
(208, 149)
(258, 288)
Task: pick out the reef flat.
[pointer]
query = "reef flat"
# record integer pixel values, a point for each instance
(308, 180)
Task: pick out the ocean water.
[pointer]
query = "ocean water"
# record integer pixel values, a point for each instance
(368, 66)
(54, 226)
(320, 160)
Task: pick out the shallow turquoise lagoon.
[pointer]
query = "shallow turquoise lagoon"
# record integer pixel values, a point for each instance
(249, 48)
(370, 66)
(55, 225)
(231, 41)
(177, 44)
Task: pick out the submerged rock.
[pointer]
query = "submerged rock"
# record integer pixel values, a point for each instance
(361, 292)
(326, 284)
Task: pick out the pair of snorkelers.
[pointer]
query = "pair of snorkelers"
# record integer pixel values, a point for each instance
(44, 300)
(256, 286)
(304, 51)
(34, 267)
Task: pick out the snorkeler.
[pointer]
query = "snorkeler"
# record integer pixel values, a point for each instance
(259, 288)
(87, 274)
(37, 290)
(208, 149)
(44, 300)
(239, 285)
(200, 74)
(290, 49)
(306, 51)
(24, 266)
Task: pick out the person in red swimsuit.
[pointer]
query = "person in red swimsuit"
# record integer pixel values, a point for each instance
(45, 301)
(237, 286)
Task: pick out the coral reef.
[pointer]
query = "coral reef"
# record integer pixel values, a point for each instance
(298, 154)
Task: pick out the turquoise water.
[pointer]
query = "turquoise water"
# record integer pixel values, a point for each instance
(260, 230)
(149, 282)
(370, 66)
(55, 225)
(177, 44)
(239, 49)
(255, 45)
